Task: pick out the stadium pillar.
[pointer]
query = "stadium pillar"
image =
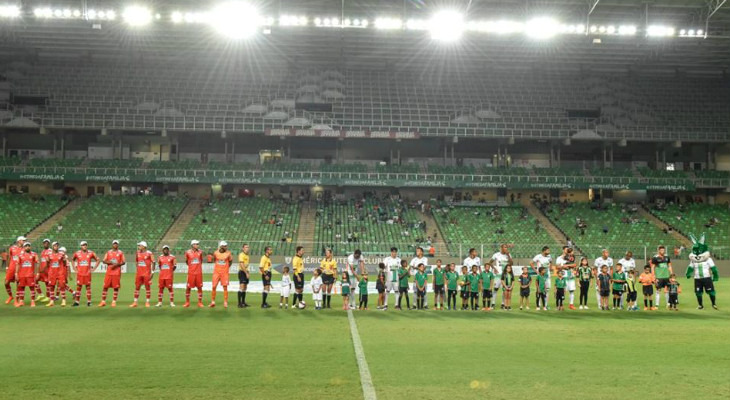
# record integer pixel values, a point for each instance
(559, 154)
(63, 146)
(5, 140)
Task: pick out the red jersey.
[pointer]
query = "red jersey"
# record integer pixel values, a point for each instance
(83, 262)
(144, 263)
(56, 262)
(111, 258)
(15, 251)
(44, 258)
(28, 263)
(194, 259)
(167, 266)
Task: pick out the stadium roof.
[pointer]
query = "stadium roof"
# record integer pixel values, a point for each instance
(32, 38)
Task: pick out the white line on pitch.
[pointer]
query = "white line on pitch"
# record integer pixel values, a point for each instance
(368, 390)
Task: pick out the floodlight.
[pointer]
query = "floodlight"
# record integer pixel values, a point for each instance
(601, 29)
(58, 13)
(388, 23)
(318, 21)
(91, 14)
(9, 12)
(594, 29)
(700, 32)
(356, 22)
(627, 30)
(611, 29)
(364, 23)
(67, 13)
(176, 17)
(347, 22)
(137, 15)
(446, 26)
(326, 22)
(38, 12)
(111, 15)
(76, 13)
(659, 31)
(101, 14)
(691, 32)
(236, 20)
(302, 21)
(335, 22)
(542, 28)
(580, 29)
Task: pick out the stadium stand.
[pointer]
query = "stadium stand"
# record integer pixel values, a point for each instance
(20, 213)
(613, 226)
(141, 218)
(55, 162)
(485, 228)
(398, 169)
(698, 218)
(373, 226)
(260, 222)
(9, 161)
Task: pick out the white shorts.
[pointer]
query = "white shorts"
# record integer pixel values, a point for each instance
(497, 284)
(570, 285)
(285, 291)
(391, 287)
(317, 296)
(548, 284)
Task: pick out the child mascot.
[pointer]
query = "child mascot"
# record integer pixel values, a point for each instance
(703, 270)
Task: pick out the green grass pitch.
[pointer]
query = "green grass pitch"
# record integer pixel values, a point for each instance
(299, 354)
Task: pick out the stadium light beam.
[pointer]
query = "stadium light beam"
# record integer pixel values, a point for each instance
(388, 23)
(446, 26)
(542, 28)
(137, 16)
(236, 20)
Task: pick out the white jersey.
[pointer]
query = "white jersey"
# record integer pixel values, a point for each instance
(566, 273)
(470, 262)
(600, 262)
(629, 265)
(414, 264)
(499, 261)
(391, 268)
(316, 283)
(543, 261)
(703, 269)
(353, 265)
(285, 282)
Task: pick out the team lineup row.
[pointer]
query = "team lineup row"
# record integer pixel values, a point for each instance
(54, 265)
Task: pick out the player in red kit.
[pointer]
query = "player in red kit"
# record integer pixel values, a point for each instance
(56, 273)
(42, 276)
(65, 273)
(81, 264)
(26, 270)
(144, 260)
(10, 274)
(194, 260)
(167, 265)
(114, 260)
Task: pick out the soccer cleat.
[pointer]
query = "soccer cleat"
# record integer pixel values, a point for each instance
(527, 307)
(41, 298)
(32, 303)
(572, 307)
(172, 304)
(646, 308)
(50, 304)
(201, 305)
(114, 303)
(715, 307)
(212, 304)
(225, 304)
(585, 307)
(102, 303)
(76, 304)
(654, 308)
(88, 304)
(158, 305)
(9, 300)
(63, 303)
(700, 307)
(147, 304)
(133, 305)
(545, 309)
(186, 305)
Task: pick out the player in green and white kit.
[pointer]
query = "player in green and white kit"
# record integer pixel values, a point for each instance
(452, 285)
(392, 263)
(543, 260)
(438, 286)
(567, 266)
(661, 268)
(499, 260)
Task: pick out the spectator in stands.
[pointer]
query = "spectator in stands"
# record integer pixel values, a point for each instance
(119, 224)
(568, 242)
(431, 251)
(59, 228)
(605, 229)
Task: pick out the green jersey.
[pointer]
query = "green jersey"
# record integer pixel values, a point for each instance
(363, 286)
(584, 273)
(674, 288)
(487, 277)
(438, 276)
(542, 283)
(560, 283)
(508, 279)
(464, 283)
(421, 278)
(345, 287)
(630, 284)
(661, 266)
(474, 282)
(403, 282)
(618, 276)
(452, 277)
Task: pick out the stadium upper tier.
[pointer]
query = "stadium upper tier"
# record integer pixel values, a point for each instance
(19, 214)
(489, 103)
(257, 221)
(613, 227)
(485, 228)
(373, 226)
(95, 220)
(700, 218)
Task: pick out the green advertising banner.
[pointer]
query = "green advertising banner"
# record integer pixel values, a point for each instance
(382, 180)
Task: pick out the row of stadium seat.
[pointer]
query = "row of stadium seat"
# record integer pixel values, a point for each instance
(700, 218)
(20, 213)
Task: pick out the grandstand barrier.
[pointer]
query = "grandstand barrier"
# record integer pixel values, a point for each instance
(341, 178)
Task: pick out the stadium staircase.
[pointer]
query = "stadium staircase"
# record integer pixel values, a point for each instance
(558, 235)
(661, 225)
(176, 229)
(50, 224)
(307, 223)
(431, 227)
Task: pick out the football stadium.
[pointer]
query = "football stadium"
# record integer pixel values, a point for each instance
(376, 199)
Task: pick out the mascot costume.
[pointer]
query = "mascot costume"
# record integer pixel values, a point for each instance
(703, 270)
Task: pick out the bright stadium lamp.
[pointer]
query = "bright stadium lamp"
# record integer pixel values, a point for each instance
(137, 16)
(236, 20)
(9, 11)
(659, 31)
(542, 28)
(446, 26)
